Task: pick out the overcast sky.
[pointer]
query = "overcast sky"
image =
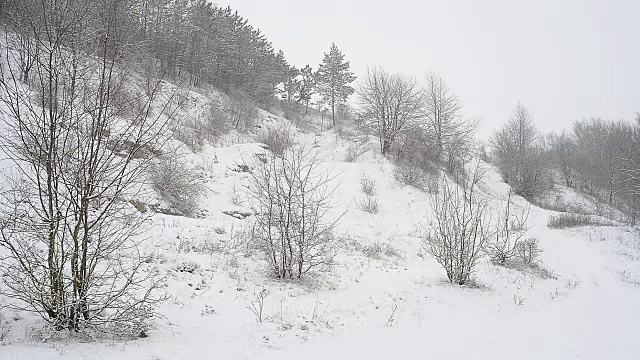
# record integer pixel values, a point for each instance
(563, 59)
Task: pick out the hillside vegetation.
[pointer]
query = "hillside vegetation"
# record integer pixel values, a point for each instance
(171, 188)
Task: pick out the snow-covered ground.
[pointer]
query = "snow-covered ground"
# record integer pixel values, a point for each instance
(385, 297)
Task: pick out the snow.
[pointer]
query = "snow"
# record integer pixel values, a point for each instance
(395, 303)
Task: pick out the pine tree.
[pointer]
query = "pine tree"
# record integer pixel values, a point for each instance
(291, 84)
(333, 79)
(306, 86)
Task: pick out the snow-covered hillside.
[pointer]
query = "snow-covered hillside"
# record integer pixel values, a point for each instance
(385, 297)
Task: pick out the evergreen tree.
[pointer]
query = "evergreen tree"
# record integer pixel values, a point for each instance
(291, 84)
(333, 80)
(306, 87)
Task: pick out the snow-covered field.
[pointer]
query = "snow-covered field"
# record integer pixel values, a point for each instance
(384, 297)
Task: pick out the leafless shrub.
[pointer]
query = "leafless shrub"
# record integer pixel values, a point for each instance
(4, 329)
(459, 231)
(528, 250)
(240, 238)
(291, 199)
(568, 220)
(518, 300)
(377, 249)
(510, 229)
(257, 305)
(353, 152)
(236, 196)
(391, 318)
(190, 133)
(243, 112)
(216, 122)
(278, 140)
(368, 185)
(369, 204)
(178, 183)
(188, 266)
(411, 174)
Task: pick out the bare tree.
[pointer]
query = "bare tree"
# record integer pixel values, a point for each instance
(389, 103)
(18, 37)
(518, 154)
(78, 139)
(564, 154)
(631, 170)
(603, 149)
(460, 229)
(451, 133)
(292, 202)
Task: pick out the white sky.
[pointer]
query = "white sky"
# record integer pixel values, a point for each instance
(563, 59)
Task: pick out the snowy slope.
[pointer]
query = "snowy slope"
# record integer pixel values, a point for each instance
(384, 297)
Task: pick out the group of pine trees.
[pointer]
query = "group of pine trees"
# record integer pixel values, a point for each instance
(201, 43)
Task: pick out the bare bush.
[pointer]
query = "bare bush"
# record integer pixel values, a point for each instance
(257, 305)
(369, 204)
(416, 144)
(179, 184)
(190, 133)
(459, 231)
(4, 329)
(410, 173)
(377, 249)
(569, 220)
(528, 250)
(510, 229)
(292, 199)
(368, 185)
(243, 112)
(353, 152)
(278, 140)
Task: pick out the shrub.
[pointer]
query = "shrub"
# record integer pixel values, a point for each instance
(369, 204)
(510, 229)
(278, 140)
(568, 220)
(194, 132)
(291, 200)
(528, 250)
(242, 111)
(368, 185)
(4, 329)
(190, 134)
(457, 235)
(353, 152)
(411, 173)
(377, 249)
(179, 184)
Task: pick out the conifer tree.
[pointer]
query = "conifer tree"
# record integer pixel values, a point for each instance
(333, 79)
(306, 86)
